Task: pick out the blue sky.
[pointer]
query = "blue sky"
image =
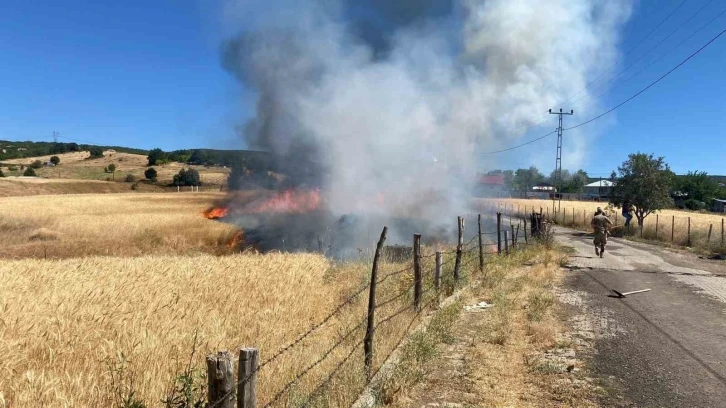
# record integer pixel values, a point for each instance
(148, 74)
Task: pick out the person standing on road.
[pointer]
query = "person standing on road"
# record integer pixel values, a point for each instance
(601, 225)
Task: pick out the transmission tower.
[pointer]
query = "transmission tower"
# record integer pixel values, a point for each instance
(55, 136)
(558, 163)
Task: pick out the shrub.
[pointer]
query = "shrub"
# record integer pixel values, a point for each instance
(36, 164)
(130, 178)
(1, 173)
(55, 160)
(29, 172)
(695, 205)
(96, 152)
(150, 174)
(135, 186)
(187, 177)
(13, 168)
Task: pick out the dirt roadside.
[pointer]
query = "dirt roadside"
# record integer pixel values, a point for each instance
(662, 348)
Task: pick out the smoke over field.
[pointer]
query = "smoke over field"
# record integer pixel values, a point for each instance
(385, 103)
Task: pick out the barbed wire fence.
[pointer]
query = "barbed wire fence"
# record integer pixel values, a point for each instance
(697, 230)
(413, 290)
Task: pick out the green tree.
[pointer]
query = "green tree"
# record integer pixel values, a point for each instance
(29, 172)
(156, 157)
(96, 152)
(187, 177)
(525, 179)
(55, 160)
(150, 174)
(112, 169)
(36, 164)
(645, 182)
(199, 157)
(697, 186)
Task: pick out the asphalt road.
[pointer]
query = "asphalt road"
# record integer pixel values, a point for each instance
(666, 347)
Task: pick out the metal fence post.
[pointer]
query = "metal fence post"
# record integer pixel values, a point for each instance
(499, 233)
(481, 248)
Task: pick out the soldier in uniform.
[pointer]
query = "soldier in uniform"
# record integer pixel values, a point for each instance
(601, 224)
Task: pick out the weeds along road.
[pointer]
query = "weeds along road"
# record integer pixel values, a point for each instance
(667, 347)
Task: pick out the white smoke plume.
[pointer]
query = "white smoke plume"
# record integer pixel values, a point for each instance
(394, 98)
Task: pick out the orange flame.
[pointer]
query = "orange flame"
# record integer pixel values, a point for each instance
(236, 240)
(289, 201)
(215, 213)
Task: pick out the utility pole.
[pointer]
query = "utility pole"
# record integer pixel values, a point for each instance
(558, 163)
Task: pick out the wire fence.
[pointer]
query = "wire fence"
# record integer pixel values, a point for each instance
(705, 231)
(411, 290)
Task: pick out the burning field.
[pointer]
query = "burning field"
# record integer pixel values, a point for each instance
(299, 221)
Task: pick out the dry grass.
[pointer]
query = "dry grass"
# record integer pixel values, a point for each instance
(78, 166)
(505, 352)
(666, 220)
(113, 224)
(508, 367)
(93, 331)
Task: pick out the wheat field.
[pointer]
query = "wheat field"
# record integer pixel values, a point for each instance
(129, 295)
(62, 226)
(672, 225)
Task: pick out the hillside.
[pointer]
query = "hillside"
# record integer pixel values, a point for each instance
(78, 167)
(18, 150)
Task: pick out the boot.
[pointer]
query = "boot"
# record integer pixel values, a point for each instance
(597, 251)
(602, 251)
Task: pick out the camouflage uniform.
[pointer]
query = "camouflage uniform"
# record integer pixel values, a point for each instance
(600, 223)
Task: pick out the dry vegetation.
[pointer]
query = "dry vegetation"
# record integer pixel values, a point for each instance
(78, 166)
(91, 326)
(100, 331)
(509, 351)
(677, 220)
(111, 224)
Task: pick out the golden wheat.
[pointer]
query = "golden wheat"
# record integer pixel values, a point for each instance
(672, 225)
(68, 325)
(105, 224)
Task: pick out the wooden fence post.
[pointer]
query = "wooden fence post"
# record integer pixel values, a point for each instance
(513, 237)
(506, 242)
(656, 226)
(437, 272)
(247, 389)
(220, 380)
(526, 240)
(710, 229)
(417, 271)
(499, 233)
(459, 245)
(584, 218)
(673, 228)
(689, 231)
(574, 222)
(481, 247)
(722, 233)
(368, 339)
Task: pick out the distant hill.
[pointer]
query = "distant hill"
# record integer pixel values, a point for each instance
(19, 150)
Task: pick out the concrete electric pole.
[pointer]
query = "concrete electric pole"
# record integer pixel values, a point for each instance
(558, 163)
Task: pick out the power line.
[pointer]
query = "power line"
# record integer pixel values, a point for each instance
(521, 145)
(543, 120)
(620, 104)
(651, 84)
(627, 53)
(637, 60)
(657, 60)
